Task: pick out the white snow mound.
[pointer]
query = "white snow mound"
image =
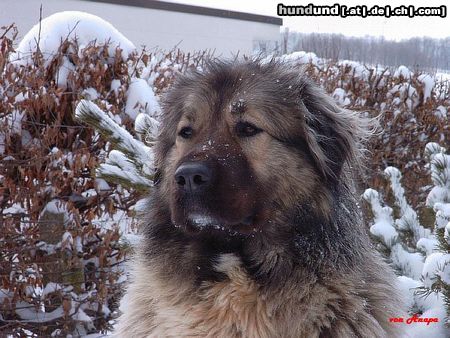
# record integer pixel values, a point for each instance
(141, 99)
(77, 26)
(403, 71)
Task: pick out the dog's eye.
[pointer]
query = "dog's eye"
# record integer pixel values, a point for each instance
(245, 129)
(186, 132)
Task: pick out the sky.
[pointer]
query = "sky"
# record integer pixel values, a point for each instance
(394, 28)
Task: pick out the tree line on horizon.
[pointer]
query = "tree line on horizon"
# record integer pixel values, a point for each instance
(419, 53)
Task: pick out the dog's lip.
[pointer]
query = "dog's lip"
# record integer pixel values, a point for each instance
(203, 220)
(207, 221)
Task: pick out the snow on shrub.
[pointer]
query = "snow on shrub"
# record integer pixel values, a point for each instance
(421, 256)
(403, 72)
(140, 98)
(66, 233)
(411, 107)
(301, 57)
(83, 28)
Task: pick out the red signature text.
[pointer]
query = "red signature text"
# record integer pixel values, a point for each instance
(414, 319)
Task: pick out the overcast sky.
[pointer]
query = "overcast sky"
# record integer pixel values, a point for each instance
(392, 28)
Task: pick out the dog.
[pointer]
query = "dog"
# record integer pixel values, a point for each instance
(252, 228)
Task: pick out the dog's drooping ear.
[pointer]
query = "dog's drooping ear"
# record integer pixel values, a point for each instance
(332, 134)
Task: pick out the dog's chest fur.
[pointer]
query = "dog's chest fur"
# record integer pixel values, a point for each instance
(231, 308)
(238, 307)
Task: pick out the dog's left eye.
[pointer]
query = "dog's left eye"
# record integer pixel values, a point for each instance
(245, 129)
(186, 132)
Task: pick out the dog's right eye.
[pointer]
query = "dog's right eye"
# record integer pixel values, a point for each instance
(245, 129)
(186, 132)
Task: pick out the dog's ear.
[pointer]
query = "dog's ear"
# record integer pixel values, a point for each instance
(332, 134)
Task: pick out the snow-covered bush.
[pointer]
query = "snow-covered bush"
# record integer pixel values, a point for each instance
(64, 232)
(60, 233)
(420, 255)
(412, 109)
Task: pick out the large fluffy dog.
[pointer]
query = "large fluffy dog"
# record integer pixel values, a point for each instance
(253, 229)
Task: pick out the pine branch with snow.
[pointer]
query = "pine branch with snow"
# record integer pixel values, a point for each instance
(385, 230)
(439, 200)
(424, 263)
(408, 220)
(130, 163)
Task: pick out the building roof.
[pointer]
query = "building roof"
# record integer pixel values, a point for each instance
(183, 8)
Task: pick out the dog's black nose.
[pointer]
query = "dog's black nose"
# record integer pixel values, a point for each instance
(193, 176)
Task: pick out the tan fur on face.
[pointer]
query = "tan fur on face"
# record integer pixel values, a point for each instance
(291, 178)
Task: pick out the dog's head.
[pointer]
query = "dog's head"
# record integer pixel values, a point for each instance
(243, 143)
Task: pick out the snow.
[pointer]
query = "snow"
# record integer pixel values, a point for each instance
(358, 69)
(301, 57)
(433, 148)
(339, 95)
(50, 288)
(442, 211)
(403, 71)
(117, 163)
(444, 273)
(427, 266)
(101, 185)
(428, 83)
(408, 287)
(67, 241)
(383, 221)
(82, 316)
(404, 92)
(89, 193)
(2, 143)
(62, 76)
(147, 126)
(410, 263)
(84, 28)
(427, 245)
(385, 231)
(20, 97)
(434, 264)
(90, 93)
(131, 239)
(141, 205)
(119, 219)
(33, 315)
(447, 233)
(440, 175)
(123, 137)
(140, 98)
(441, 112)
(16, 208)
(437, 194)
(434, 330)
(26, 139)
(115, 86)
(14, 121)
(55, 207)
(409, 219)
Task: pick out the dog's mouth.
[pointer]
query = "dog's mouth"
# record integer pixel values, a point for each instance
(197, 222)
